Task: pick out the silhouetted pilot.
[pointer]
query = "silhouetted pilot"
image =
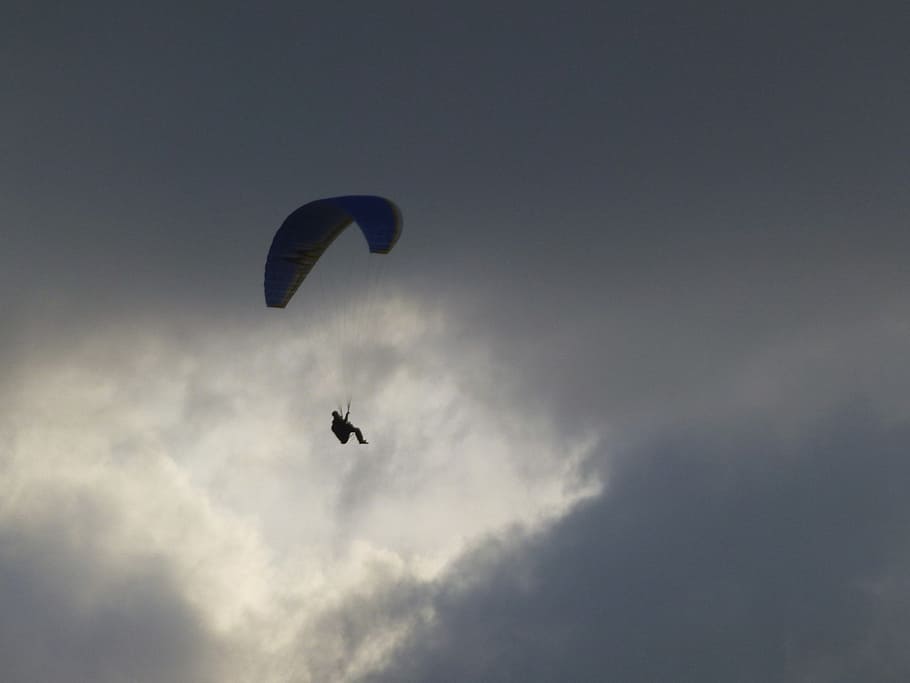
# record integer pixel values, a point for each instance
(343, 429)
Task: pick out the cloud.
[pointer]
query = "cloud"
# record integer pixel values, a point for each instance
(751, 531)
(656, 253)
(733, 557)
(72, 614)
(188, 481)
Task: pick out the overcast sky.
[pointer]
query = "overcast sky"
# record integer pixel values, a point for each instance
(635, 383)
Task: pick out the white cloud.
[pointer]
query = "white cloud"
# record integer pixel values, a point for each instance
(211, 454)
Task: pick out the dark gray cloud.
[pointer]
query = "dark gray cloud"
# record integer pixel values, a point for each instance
(742, 558)
(152, 153)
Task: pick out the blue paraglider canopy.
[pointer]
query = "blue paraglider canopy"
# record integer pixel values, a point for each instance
(305, 235)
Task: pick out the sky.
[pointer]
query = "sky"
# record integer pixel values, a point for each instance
(633, 378)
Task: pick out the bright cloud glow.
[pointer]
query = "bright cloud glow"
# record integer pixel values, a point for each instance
(211, 453)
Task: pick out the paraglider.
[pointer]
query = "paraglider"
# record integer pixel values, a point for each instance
(301, 242)
(343, 429)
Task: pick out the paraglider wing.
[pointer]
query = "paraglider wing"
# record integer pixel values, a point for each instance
(305, 235)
